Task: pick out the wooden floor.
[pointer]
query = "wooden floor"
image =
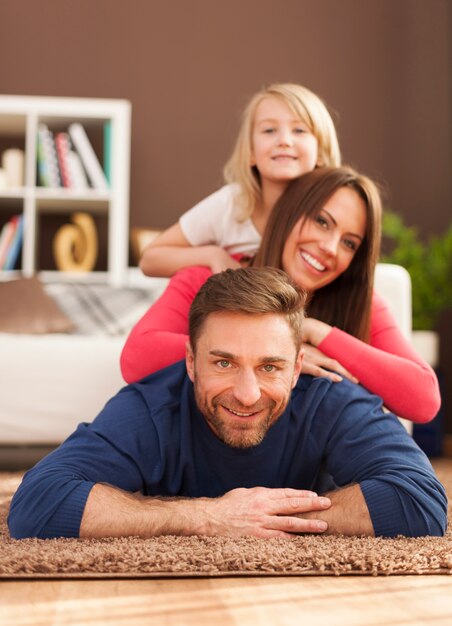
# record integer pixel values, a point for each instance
(314, 601)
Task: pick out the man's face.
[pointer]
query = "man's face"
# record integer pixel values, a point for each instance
(243, 371)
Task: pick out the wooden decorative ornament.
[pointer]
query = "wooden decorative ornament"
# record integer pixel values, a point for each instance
(75, 245)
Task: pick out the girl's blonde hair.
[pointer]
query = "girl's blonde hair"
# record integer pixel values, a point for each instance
(306, 106)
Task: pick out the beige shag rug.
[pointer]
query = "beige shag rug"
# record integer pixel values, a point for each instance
(219, 556)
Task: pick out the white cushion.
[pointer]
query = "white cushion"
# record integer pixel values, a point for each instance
(393, 283)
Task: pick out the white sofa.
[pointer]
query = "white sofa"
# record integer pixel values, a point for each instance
(51, 383)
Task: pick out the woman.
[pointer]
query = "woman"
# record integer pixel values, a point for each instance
(325, 232)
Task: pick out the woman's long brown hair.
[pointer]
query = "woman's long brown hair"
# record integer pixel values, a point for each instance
(345, 302)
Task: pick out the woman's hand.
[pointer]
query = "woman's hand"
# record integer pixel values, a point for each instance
(316, 363)
(315, 331)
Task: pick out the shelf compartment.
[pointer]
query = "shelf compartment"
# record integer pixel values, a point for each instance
(47, 225)
(13, 124)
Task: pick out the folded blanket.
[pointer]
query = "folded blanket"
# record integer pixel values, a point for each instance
(99, 309)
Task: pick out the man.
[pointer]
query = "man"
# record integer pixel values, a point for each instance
(233, 443)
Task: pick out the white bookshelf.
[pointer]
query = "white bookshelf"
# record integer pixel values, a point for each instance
(19, 119)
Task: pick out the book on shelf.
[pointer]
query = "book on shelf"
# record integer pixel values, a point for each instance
(6, 237)
(42, 179)
(15, 245)
(48, 167)
(88, 157)
(73, 175)
(62, 149)
(78, 174)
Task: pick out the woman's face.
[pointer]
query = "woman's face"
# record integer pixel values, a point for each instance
(322, 248)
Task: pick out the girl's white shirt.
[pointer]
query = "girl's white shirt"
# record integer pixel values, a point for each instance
(213, 222)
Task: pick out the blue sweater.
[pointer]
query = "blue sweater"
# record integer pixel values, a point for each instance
(152, 438)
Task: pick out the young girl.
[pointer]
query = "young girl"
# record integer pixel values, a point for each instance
(286, 131)
(325, 233)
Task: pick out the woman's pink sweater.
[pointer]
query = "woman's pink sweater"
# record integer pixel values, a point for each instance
(387, 366)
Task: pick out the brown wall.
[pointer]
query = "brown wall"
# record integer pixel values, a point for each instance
(188, 67)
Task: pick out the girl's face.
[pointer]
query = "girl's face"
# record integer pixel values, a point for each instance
(322, 248)
(283, 147)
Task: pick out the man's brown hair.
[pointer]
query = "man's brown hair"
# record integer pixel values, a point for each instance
(251, 290)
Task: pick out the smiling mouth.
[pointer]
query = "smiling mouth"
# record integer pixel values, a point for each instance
(312, 262)
(240, 413)
(284, 157)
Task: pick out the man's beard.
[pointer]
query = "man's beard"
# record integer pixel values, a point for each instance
(243, 434)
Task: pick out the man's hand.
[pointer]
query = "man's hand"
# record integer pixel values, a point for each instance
(259, 512)
(263, 512)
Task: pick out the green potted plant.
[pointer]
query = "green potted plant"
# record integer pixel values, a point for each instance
(430, 267)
